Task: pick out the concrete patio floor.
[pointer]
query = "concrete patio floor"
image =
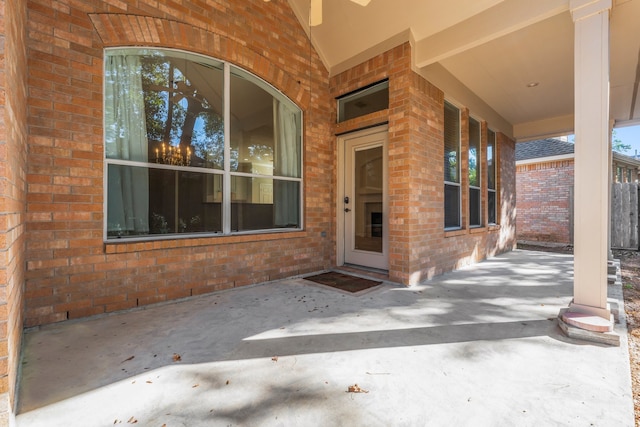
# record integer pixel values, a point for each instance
(476, 347)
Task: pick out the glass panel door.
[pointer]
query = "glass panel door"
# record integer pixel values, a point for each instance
(367, 203)
(364, 203)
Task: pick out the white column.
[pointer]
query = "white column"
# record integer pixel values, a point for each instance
(592, 154)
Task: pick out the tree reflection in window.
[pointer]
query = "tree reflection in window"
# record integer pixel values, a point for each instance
(165, 119)
(183, 105)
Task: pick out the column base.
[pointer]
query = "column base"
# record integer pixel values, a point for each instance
(588, 327)
(588, 310)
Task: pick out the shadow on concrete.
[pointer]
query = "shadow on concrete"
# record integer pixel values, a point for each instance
(487, 311)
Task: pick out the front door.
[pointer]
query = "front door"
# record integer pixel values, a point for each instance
(362, 204)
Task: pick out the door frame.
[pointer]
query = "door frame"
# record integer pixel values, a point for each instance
(340, 193)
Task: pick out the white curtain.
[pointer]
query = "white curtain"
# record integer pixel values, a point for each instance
(286, 194)
(126, 139)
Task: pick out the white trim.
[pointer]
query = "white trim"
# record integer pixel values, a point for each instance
(226, 179)
(546, 159)
(228, 69)
(624, 159)
(583, 9)
(479, 172)
(340, 193)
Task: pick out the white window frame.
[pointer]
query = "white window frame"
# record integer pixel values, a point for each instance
(455, 184)
(494, 153)
(226, 172)
(479, 171)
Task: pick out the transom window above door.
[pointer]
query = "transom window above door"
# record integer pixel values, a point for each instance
(196, 146)
(361, 102)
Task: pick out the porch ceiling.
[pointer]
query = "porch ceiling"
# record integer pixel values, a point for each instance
(484, 53)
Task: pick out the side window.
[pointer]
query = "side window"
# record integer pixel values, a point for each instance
(451, 167)
(179, 161)
(475, 217)
(491, 178)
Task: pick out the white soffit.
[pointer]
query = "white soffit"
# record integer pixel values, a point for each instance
(495, 48)
(625, 61)
(503, 19)
(348, 28)
(501, 70)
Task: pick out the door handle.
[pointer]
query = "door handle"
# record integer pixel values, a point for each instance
(347, 210)
(346, 199)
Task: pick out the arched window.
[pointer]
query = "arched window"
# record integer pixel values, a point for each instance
(196, 146)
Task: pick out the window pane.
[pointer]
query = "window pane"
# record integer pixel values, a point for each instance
(474, 153)
(492, 207)
(181, 202)
(185, 202)
(264, 203)
(451, 143)
(265, 130)
(491, 162)
(363, 102)
(124, 109)
(474, 207)
(368, 200)
(127, 201)
(451, 206)
(164, 107)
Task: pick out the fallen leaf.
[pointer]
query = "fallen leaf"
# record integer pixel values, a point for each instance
(227, 382)
(176, 357)
(195, 385)
(274, 358)
(149, 382)
(132, 420)
(127, 359)
(356, 389)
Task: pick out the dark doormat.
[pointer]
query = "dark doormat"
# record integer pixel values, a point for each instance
(342, 281)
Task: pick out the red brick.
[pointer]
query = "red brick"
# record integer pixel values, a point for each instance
(66, 42)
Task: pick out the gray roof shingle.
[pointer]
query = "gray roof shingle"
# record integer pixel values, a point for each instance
(543, 148)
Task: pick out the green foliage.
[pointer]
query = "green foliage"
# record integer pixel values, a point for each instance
(451, 166)
(177, 114)
(473, 168)
(617, 144)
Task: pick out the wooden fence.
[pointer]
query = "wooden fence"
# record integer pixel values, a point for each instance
(624, 216)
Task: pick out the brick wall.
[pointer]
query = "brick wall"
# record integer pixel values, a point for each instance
(70, 271)
(419, 248)
(507, 190)
(13, 149)
(544, 201)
